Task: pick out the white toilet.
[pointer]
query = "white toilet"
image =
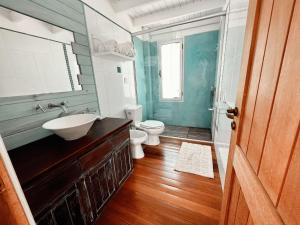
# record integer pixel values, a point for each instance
(153, 128)
(137, 137)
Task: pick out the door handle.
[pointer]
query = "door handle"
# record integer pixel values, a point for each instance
(231, 113)
(234, 111)
(230, 116)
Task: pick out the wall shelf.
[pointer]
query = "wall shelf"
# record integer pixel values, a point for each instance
(116, 56)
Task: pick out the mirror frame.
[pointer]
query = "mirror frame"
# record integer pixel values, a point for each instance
(69, 15)
(72, 81)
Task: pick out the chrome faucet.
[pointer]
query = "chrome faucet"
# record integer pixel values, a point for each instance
(40, 107)
(61, 105)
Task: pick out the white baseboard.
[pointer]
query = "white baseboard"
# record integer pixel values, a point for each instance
(222, 157)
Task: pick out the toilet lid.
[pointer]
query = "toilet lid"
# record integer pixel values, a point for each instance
(152, 124)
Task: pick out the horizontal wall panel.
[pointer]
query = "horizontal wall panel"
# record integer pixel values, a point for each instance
(83, 79)
(86, 70)
(80, 49)
(30, 135)
(34, 10)
(10, 127)
(25, 137)
(84, 60)
(74, 4)
(62, 9)
(81, 39)
(13, 111)
(30, 98)
(89, 87)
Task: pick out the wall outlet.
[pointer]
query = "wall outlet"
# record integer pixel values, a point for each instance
(119, 70)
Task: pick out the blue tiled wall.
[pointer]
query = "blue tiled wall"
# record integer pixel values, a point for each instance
(141, 75)
(200, 58)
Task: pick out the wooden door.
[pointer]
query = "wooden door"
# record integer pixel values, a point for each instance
(263, 175)
(11, 209)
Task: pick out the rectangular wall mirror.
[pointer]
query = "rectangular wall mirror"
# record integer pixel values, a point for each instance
(35, 57)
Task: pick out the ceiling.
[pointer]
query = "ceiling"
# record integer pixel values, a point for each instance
(145, 13)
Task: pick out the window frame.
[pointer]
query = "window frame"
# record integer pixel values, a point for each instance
(160, 44)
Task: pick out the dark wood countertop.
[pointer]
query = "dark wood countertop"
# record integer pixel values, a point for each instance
(32, 160)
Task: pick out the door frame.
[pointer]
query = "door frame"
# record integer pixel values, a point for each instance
(247, 58)
(14, 206)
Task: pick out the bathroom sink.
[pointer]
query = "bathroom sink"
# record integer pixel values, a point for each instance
(71, 127)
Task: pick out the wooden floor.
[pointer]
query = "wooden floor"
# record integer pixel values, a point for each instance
(156, 194)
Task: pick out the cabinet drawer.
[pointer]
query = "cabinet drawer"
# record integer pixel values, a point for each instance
(43, 192)
(120, 137)
(95, 156)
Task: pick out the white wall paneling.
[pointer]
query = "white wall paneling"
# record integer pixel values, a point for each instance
(115, 90)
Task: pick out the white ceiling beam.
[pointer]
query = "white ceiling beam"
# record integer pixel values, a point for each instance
(125, 5)
(16, 17)
(170, 13)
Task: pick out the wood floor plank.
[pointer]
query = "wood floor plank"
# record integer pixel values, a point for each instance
(163, 208)
(156, 194)
(180, 190)
(210, 187)
(173, 199)
(184, 186)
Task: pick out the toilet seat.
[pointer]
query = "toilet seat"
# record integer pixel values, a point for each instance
(153, 128)
(152, 124)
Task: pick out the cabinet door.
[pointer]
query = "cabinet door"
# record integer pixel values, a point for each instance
(109, 168)
(47, 220)
(123, 162)
(65, 211)
(100, 185)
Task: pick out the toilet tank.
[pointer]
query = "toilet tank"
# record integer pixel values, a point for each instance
(134, 113)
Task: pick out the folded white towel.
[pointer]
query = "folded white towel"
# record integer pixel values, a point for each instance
(126, 48)
(111, 45)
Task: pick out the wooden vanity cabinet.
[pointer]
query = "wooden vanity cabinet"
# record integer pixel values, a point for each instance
(76, 190)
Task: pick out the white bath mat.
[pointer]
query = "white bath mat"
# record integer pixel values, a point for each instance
(196, 159)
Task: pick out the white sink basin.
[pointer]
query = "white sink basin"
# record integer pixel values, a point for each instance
(71, 127)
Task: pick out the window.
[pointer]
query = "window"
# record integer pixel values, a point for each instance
(171, 71)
